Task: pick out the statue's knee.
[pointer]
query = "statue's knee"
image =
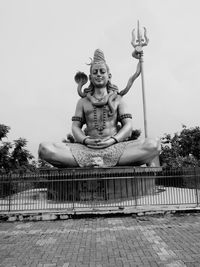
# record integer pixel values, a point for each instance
(45, 150)
(152, 145)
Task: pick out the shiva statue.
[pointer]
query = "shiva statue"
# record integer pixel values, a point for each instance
(101, 125)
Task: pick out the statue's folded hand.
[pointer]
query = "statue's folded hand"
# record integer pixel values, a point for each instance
(102, 143)
(92, 141)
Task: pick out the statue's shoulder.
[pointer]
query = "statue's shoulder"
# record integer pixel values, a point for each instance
(82, 101)
(119, 99)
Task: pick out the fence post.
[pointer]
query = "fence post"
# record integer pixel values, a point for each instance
(9, 198)
(196, 184)
(73, 189)
(135, 185)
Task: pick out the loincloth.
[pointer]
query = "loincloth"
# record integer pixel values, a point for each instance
(105, 157)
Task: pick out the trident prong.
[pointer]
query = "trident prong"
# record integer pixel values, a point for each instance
(145, 37)
(133, 41)
(140, 40)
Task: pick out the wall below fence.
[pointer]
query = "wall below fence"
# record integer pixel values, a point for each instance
(99, 188)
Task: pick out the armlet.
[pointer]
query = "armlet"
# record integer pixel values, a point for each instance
(125, 116)
(77, 118)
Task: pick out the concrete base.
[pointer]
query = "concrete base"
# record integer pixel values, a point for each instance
(99, 184)
(100, 190)
(64, 215)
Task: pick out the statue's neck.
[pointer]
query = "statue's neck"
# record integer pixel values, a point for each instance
(99, 97)
(100, 91)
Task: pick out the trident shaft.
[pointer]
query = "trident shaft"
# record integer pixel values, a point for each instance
(138, 46)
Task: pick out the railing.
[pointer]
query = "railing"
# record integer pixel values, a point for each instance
(99, 188)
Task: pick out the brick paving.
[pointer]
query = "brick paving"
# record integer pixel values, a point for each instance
(170, 240)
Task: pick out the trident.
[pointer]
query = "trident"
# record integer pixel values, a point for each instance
(138, 45)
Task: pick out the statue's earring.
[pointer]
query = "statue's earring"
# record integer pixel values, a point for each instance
(109, 76)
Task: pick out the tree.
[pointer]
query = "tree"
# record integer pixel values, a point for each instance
(5, 163)
(135, 134)
(181, 150)
(190, 142)
(14, 156)
(20, 156)
(4, 148)
(4, 130)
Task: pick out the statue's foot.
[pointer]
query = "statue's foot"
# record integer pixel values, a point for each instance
(96, 162)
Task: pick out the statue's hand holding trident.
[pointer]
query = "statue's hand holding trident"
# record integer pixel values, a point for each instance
(138, 54)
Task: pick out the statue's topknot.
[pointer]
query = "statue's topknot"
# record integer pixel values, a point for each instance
(98, 57)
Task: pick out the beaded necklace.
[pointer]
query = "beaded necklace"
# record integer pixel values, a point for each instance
(100, 124)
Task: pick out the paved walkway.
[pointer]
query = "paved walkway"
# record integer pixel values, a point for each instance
(169, 241)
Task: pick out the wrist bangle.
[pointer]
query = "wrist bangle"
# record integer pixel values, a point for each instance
(83, 142)
(116, 141)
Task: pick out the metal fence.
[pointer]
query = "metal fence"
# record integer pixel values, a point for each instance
(107, 188)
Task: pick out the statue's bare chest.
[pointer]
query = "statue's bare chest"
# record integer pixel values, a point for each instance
(100, 113)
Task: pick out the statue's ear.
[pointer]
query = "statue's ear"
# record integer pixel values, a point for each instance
(109, 76)
(89, 77)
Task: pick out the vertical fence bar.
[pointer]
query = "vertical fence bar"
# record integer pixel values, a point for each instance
(135, 185)
(9, 198)
(73, 189)
(196, 185)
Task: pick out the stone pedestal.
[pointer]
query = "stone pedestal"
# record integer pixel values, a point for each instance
(102, 184)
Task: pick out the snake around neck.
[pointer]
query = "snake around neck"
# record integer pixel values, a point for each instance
(109, 100)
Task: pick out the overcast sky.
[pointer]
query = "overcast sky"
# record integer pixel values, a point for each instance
(43, 43)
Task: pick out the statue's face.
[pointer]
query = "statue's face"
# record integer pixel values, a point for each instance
(99, 75)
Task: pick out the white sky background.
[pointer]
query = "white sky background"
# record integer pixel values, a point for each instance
(43, 43)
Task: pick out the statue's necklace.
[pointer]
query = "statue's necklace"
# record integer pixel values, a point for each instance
(100, 124)
(98, 102)
(99, 99)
